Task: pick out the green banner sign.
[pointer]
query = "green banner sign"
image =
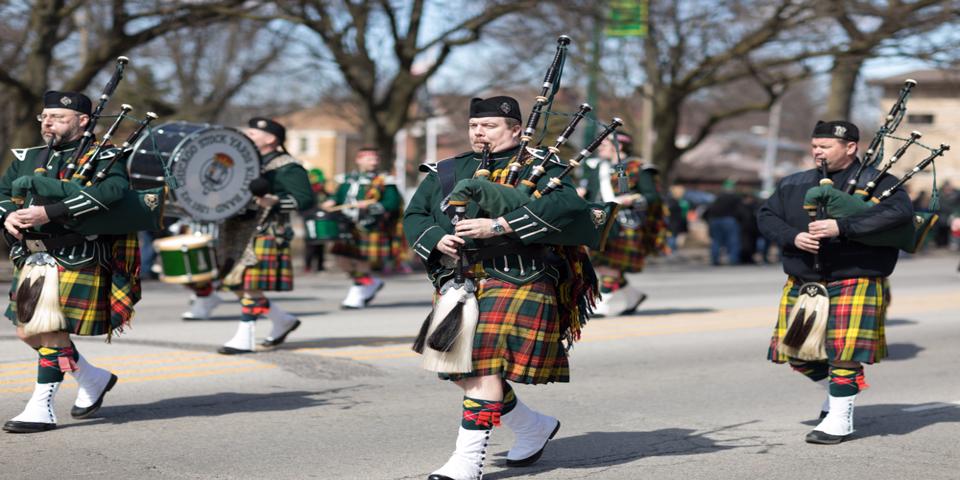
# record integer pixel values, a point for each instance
(628, 18)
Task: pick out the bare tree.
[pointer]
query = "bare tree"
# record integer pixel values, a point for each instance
(882, 28)
(384, 54)
(49, 46)
(690, 50)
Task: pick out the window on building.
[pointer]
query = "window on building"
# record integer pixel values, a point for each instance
(304, 145)
(920, 118)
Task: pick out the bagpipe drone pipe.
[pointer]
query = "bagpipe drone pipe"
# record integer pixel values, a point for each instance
(91, 164)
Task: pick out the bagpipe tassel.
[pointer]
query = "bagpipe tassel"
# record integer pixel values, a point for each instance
(422, 336)
(449, 345)
(807, 324)
(38, 301)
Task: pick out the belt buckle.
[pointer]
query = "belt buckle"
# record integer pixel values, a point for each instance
(36, 246)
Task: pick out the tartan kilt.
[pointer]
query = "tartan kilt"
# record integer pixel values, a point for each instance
(273, 270)
(96, 300)
(624, 250)
(376, 247)
(518, 334)
(855, 329)
(84, 300)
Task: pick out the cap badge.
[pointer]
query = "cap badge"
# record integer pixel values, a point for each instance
(261, 124)
(65, 101)
(599, 217)
(839, 131)
(505, 107)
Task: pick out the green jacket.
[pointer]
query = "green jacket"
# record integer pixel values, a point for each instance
(549, 217)
(290, 182)
(63, 211)
(357, 186)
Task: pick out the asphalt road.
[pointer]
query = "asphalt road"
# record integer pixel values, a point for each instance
(681, 389)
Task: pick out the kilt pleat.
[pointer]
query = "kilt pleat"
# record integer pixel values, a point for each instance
(624, 251)
(376, 247)
(273, 270)
(518, 334)
(855, 330)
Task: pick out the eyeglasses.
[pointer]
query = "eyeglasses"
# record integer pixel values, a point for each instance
(56, 117)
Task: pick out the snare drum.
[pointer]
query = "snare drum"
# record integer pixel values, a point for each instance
(212, 166)
(328, 227)
(186, 258)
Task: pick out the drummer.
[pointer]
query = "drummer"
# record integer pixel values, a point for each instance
(272, 269)
(370, 199)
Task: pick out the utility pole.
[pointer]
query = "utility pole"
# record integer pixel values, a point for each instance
(593, 72)
(773, 140)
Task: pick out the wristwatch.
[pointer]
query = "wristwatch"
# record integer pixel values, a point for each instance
(496, 228)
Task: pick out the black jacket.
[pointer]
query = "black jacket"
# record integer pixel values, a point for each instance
(782, 217)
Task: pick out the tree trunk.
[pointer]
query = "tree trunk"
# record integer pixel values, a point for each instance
(843, 83)
(666, 116)
(377, 135)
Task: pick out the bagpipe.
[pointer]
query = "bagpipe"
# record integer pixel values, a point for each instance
(446, 335)
(90, 165)
(841, 203)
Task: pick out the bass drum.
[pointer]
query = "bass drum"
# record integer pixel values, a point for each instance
(212, 166)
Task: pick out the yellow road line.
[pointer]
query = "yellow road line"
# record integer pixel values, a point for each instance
(32, 368)
(165, 357)
(121, 371)
(196, 374)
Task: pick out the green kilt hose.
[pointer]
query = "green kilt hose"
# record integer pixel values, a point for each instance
(518, 334)
(855, 329)
(273, 270)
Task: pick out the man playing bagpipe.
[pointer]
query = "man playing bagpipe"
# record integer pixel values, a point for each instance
(505, 273)
(369, 200)
(832, 312)
(65, 282)
(641, 228)
(282, 189)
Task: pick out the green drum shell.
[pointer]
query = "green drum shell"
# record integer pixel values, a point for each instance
(326, 227)
(186, 259)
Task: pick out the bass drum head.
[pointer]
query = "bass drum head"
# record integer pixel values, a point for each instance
(212, 166)
(144, 166)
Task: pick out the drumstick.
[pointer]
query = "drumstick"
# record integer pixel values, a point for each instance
(345, 206)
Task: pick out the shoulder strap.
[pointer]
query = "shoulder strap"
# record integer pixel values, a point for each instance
(447, 173)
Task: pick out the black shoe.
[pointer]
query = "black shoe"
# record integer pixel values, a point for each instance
(273, 342)
(81, 413)
(225, 350)
(27, 427)
(629, 311)
(367, 301)
(536, 456)
(822, 438)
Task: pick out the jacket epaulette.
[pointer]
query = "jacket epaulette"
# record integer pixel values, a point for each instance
(21, 153)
